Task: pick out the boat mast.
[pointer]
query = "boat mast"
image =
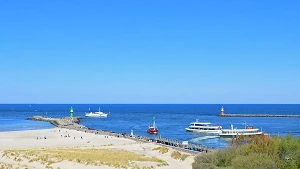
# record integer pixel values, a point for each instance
(154, 122)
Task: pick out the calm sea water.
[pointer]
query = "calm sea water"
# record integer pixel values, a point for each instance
(171, 119)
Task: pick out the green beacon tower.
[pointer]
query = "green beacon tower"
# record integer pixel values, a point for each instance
(71, 112)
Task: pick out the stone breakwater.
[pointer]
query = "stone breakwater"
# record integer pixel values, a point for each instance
(259, 115)
(67, 122)
(73, 124)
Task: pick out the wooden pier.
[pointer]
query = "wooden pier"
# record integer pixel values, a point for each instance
(73, 124)
(259, 115)
(188, 147)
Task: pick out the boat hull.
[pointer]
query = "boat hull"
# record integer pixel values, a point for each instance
(152, 131)
(230, 135)
(204, 131)
(96, 115)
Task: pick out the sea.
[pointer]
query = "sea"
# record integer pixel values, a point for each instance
(171, 119)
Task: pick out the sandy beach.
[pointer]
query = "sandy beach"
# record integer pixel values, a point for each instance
(15, 144)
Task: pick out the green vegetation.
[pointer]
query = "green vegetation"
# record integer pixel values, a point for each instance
(10, 166)
(5, 166)
(162, 150)
(178, 155)
(97, 157)
(260, 152)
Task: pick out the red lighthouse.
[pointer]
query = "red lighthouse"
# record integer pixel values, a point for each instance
(222, 110)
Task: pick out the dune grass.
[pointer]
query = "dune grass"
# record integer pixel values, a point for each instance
(162, 150)
(177, 155)
(174, 154)
(89, 156)
(10, 166)
(5, 166)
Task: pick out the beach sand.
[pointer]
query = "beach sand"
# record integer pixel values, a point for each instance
(70, 139)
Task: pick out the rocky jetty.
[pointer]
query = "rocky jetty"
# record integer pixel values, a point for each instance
(67, 122)
(259, 115)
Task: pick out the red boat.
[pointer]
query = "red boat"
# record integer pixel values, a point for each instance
(152, 129)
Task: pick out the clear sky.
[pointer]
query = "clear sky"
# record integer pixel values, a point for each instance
(210, 51)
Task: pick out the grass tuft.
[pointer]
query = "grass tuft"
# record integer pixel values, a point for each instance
(89, 156)
(177, 155)
(162, 150)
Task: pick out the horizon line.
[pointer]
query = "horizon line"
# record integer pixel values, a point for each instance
(145, 103)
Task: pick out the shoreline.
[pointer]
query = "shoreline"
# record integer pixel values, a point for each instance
(72, 123)
(62, 138)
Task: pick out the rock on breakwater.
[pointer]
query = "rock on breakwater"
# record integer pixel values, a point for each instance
(67, 122)
(260, 115)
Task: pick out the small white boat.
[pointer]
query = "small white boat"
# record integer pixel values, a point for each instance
(204, 127)
(247, 131)
(96, 114)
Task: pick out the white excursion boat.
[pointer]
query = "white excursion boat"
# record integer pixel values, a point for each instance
(96, 114)
(247, 131)
(204, 127)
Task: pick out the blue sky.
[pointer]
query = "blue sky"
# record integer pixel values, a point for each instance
(150, 51)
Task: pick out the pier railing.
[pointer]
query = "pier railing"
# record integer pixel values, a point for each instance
(73, 124)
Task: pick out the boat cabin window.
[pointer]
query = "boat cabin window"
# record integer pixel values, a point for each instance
(201, 125)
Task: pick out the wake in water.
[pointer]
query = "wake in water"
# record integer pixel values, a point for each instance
(172, 119)
(198, 139)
